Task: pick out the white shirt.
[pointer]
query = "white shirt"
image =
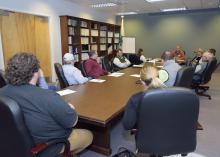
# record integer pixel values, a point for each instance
(119, 64)
(73, 75)
(143, 59)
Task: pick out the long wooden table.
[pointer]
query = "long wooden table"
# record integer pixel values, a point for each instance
(99, 105)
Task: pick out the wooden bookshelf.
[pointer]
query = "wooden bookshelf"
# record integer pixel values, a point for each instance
(83, 35)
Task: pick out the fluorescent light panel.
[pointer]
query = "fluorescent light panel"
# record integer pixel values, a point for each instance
(173, 9)
(151, 1)
(127, 13)
(102, 5)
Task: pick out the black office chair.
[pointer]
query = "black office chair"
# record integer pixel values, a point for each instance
(82, 68)
(106, 64)
(184, 77)
(167, 122)
(134, 59)
(59, 71)
(200, 79)
(15, 140)
(3, 80)
(217, 65)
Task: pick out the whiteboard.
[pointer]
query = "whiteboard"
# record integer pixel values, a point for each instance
(128, 44)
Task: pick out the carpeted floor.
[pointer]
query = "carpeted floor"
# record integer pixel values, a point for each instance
(208, 142)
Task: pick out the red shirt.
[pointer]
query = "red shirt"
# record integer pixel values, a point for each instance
(93, 68)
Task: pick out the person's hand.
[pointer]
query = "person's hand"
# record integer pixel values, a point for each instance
(98, 60)
(41, 74)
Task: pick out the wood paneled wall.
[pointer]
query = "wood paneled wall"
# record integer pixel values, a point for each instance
(26, 33)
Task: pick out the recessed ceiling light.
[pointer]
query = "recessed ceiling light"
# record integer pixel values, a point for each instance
(127, 13)
(101, 5)
(173, 9)
(151, 1)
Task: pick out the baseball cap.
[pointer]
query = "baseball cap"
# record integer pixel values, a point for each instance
(68, 57)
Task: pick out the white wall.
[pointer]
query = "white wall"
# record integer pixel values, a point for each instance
(53, 9)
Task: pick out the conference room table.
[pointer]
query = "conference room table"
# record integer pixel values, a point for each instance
(101, 105)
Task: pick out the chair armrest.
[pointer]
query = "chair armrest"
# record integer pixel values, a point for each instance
(41, 147)
(133, 131)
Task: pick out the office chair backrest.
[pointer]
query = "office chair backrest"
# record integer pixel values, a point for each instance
(217, 65)
(106, 64)
(60, 74)
(15, 140)
(167, 120)
(184, 77)
(207, 73)
(82, 68)
(3, 80)
(134, 59)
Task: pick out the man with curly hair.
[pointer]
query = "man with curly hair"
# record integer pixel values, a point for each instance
(46, 115)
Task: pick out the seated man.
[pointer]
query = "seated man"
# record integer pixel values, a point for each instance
(93, 67)
(137, 58)
(206, 56)
(213, 51)
(198, 54)
(179, 54)
(121, 61)
(170, 66)
(46, 115)
(71, 73)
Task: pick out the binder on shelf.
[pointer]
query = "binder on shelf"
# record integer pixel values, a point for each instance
(84, 40)
(84, 32)
(71, 31)
(84, 24)
(102, 40)
(116, 40)
(102, 33)
(94, 47)
(94, 33)
(109, 40)
(102, 47)
(69, 40)
(110, 34)
(70, 49)
(117, 35)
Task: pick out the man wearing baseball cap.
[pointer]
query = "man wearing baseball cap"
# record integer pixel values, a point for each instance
(71, 73)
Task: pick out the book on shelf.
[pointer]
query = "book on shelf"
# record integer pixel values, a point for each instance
(103, 28)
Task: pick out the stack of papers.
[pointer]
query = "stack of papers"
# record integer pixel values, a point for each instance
(97, 80)
(160, 66)
(135, 75)
(116, 74)
(138, 66)
(65, 92)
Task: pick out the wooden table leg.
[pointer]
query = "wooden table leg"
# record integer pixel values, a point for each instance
(101, 138)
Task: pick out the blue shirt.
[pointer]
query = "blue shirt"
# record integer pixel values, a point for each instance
(172, 68)
(73, 75)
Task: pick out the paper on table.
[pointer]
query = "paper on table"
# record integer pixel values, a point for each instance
(135, 75)
(116, 74)
(160, 66)
(65, 92)
(97, 80)
(138, 66)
